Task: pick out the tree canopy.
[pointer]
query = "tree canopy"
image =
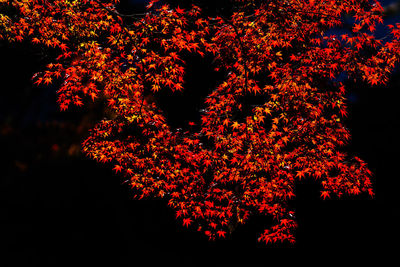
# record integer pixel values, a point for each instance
(276, 116)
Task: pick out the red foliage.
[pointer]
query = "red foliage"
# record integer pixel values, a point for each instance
(231, 166)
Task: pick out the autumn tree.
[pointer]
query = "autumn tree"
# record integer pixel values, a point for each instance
(275, 118)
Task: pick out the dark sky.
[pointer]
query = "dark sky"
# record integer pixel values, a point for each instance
(57, 207)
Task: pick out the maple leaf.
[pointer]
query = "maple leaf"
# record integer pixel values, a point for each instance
(235, 125)
(129, 171)
(207, 162)
(187, 222)
(35, 40)
(300, 174)
(179, 10)
(325, 194)
(63, 47)
(47, 80)
(221, 233)
(117, 168)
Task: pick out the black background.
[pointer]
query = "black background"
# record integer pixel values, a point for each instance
(59, 208)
